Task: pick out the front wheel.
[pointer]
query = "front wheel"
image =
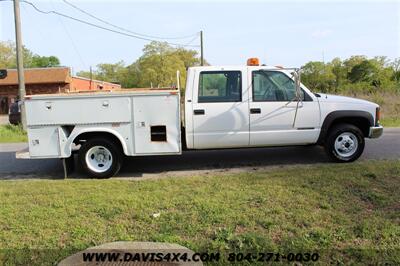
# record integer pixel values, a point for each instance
(100, 158)
(345, 143)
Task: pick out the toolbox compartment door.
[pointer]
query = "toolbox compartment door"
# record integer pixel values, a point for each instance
(44, 142)
(75, 111)
(157, 124)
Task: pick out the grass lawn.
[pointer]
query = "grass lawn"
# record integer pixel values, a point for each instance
(11, 133)
(348, 212)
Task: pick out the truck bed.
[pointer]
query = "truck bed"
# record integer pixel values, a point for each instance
(146, 121)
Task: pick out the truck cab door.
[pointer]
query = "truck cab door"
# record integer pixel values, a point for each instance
(220, 109)
(273, 118)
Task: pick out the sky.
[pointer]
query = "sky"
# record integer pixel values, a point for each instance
(287, 33)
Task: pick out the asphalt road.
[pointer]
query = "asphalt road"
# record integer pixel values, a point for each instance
(386, 147)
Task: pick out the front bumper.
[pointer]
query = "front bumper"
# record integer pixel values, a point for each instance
(375, 132)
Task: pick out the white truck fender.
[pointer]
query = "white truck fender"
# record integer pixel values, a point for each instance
(67, 150)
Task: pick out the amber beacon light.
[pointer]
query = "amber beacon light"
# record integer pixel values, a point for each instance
(253, 62)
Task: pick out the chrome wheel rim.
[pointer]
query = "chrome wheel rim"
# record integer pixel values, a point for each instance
(99, 159)
(346, 144)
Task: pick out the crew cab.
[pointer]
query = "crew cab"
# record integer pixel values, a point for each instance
(223, 107)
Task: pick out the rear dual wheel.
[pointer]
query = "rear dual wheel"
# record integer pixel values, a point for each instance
(100, 158)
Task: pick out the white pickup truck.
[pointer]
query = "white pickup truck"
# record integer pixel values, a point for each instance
(223, 107)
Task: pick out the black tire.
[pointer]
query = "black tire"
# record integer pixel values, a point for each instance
(344, 135)
(111, 160)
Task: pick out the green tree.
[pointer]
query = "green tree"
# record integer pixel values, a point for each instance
(158, 65)
(352, 61)
(155, 68)
(396, 69)
(376, 72)
(189, 57)
(8, 57)
(127, 76)
(355, 74)
(364, 71)
(44, 61)
(318, 76)
(339, 71)
(117, 73)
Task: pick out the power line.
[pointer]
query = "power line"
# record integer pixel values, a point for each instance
(124, 29)
(98, 26)
(71, 40)
(95, 25)
(192, 40)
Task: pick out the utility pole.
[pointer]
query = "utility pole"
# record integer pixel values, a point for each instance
(20, 62)
(201, 49)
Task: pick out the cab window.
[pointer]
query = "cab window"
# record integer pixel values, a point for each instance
(273, 86)
(220, 86)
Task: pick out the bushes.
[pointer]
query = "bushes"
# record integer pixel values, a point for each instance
(355, 75)
(376, 80)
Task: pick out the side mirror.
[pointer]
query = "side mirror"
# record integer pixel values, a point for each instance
(298, 93)
(3, 73)
(296, 74)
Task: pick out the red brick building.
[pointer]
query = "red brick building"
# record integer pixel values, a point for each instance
(47, 81)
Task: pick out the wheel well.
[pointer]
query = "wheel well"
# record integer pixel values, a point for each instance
(98, 135)
(361, 119)
(362, 123)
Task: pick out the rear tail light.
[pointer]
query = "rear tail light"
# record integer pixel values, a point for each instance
(377, 116)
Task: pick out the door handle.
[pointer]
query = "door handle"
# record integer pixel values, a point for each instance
(294, 105)
(255, 110)
(199, 112)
